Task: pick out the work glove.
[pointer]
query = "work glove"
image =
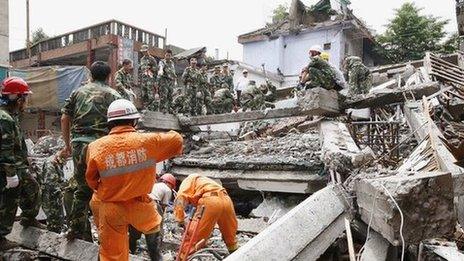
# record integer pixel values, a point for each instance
(199, 95)
(12, 182)
(157, 97)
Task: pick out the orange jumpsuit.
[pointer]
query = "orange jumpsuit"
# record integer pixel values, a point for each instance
(199, 190)
(121, 171)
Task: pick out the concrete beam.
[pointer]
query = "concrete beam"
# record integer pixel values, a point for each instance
(317, 101)
(317, 222)
(336, 138)
(425, 199)
(54, 244)
(389, 96)
(376, 248)
(152, 120)
(260, 180)
(440, 250)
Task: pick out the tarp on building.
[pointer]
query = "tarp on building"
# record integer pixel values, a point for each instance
(51, 85)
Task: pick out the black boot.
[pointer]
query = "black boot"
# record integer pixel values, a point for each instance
(134, 236)
(154, 246)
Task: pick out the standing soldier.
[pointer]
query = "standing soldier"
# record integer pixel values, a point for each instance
(166, 82)
(15, 181)
(191, 77)
(227, 77)
(83, 121)
(124, 80)
(205, 89)
(148, 71)
(216, 79)
(359, 76)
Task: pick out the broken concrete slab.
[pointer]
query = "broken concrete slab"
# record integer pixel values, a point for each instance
(301, 182)
(316, 222)
(153, 120)
(54, 244)
(390, 96)
(252, 225)
(425, 199)
(434, 249)
(376, 248)
(272, 208)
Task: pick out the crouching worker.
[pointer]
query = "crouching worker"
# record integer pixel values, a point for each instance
(120, 171)
(161, 194)
(213, 206)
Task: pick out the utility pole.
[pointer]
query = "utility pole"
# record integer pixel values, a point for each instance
(28, 39)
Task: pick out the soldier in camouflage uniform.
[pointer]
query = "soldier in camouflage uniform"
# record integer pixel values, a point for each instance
(53, 184)
(227, 77)
(359, 76)
(124, 80)
(179, 101)
(216, 80)
(15, 181)
(269, 92)
(148, 72)
(223, 100)
(166, 82)
(252, 97)
(205, 88)
(318, 74)
(83, 121)
(194, 95)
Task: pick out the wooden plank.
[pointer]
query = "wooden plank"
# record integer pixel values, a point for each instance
(159, 121)
(323, 103)
(393, 96)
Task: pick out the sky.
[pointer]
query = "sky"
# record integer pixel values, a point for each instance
(191, 23)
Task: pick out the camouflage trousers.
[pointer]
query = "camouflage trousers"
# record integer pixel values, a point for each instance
(165, 90)
(194, 102)
(362, 86)
(79, 216)
(26, 195)
(53, 184)
(148, 93)
(255, 103)
(208, 101)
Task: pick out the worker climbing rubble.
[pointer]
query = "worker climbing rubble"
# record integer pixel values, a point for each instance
(17, 185)
(161, 194)
(359, 76)
(252, 98)
(213, 206)
(121, 171)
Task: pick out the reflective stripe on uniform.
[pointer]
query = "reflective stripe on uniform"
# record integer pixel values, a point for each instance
(127, 169)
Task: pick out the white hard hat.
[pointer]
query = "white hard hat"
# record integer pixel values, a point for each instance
(245, 71)
(316, 48)
(122, 110)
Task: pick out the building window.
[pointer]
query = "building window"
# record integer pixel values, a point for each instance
(327, 46)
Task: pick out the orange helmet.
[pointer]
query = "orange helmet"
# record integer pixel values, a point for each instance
(15, 85)
(169, 179)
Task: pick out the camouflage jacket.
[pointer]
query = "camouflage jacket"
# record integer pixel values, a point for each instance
(321, 73)
(123, 81)
(13, 150)
(216, 81)
(191, 76)
(148, 63)
(87, 107)
(229, 80)
(222, 94)
(167, 70)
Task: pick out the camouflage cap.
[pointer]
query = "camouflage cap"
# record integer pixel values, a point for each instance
(144, 48)
(217, 67)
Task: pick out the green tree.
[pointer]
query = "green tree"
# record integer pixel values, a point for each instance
(280, 13)
(409, 35)
(451, 45)
(38, 35)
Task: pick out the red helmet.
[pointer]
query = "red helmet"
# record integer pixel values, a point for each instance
(15, 85)
(170, 179)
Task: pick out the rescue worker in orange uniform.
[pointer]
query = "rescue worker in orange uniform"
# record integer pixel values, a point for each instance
(121, 172)
(201, 191)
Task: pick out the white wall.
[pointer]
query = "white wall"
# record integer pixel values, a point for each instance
(290, 53)
(4, 42)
